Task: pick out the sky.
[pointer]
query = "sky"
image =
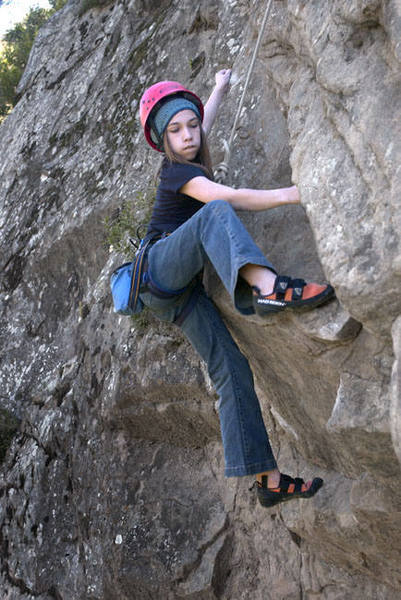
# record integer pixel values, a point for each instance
(14, 12)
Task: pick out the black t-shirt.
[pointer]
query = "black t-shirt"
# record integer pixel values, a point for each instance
(171, 208)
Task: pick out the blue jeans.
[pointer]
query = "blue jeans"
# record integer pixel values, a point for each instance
(215, 232)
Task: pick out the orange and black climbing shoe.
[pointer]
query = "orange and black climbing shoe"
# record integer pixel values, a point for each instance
(291, 294)
(288, 489)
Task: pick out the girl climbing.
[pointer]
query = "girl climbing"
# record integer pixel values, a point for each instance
(194, 220)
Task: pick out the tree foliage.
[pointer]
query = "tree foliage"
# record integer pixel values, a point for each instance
(14, 52)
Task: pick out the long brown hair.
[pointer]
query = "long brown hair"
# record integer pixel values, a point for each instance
(202, 159)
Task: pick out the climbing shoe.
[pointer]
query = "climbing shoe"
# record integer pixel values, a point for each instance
(288, 489)
(294, 294)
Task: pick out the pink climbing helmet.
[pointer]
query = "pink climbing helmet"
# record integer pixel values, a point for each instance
(154, 98)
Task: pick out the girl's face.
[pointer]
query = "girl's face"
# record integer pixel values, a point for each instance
(183, 134)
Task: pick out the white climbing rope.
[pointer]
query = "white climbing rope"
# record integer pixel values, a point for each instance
(221, 171)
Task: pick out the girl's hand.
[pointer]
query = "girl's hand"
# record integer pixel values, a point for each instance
(223, 80)
(293, 195)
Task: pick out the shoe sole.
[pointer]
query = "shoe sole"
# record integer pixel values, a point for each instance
(268, 499)
(277, 306)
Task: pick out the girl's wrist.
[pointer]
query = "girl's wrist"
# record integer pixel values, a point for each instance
(291, 195)
(220, 90)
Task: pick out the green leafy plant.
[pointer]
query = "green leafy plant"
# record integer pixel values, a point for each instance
(14, 52)
(129, 221)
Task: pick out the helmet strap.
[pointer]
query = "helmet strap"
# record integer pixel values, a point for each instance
(154, 133)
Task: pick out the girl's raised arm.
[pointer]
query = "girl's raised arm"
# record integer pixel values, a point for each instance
(215, 99)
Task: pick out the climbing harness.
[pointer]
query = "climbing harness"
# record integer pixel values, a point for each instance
(125, 282)
(131, 278)
(221, 171)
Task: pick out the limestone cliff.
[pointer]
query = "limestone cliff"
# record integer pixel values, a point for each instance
(113, 485)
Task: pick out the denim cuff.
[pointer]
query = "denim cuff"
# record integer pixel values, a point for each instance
(251, 469)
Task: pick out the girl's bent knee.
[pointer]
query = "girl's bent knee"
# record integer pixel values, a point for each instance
(221, 205)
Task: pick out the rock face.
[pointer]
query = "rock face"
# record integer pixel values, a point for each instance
(113, 486)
